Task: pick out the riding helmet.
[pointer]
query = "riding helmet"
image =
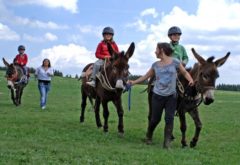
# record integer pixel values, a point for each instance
(108, 30)
(174, 30)
(21, 47)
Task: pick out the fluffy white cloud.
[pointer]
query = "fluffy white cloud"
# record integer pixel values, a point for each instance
(46, 37)
(50, 37)
(140, 25)
(7, 34)
(211, 31)
(70, 5)
(71, 58)
(150, 11)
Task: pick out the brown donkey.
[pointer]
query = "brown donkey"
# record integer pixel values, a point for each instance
(110, 84)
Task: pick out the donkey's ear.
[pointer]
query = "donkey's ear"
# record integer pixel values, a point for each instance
(5, 62)
(198, 57)
(130, 50)
(222, 60)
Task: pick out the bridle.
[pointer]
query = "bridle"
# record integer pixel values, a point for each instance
(103, 78)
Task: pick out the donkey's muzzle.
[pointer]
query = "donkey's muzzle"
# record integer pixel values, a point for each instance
(119, 84)
(208, 101)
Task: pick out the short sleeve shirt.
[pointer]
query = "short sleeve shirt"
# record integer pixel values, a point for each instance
(165, 84)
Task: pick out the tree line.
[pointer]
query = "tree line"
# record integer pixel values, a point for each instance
(225, 87)
(33, 70)
(228, 87)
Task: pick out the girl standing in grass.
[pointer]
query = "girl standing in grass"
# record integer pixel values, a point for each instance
(44, 74)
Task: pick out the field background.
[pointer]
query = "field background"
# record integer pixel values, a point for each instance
(29, 135)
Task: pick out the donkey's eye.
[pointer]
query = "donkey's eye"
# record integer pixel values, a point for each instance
(205, 77)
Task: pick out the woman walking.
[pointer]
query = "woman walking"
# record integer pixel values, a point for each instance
(44, 74)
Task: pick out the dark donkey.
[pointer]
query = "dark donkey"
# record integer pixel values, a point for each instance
(15, 81)
(204, 74)
(109, 87)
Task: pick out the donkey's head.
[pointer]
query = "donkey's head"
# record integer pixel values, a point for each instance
(205, 74)
(11, 73)
(117, 69)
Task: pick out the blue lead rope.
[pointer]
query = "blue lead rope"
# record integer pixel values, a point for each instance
(129, 98)
(128, 88)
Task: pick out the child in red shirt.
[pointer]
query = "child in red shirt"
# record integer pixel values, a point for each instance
(102, 52)
(21, 59)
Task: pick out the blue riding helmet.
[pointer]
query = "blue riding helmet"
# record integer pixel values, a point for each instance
(174, 30)
(108, 30)
(21, 47)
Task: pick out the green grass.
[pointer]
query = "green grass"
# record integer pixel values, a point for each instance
(29, 135)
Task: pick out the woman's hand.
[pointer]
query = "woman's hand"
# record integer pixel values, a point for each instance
(191, 83)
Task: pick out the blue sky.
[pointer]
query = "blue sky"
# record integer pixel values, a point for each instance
(68, 31)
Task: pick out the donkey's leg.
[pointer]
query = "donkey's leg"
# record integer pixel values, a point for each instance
(120, 112)
(198, 126)
(105, 116)
(97, 109)
(20, 94)
(183, 128)
(13, 96)
(149, 105)
(83, 106)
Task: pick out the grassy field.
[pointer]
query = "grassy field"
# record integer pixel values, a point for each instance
(29, 135)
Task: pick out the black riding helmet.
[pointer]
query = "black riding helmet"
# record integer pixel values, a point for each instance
(174, 30)
(108, 30)
(21, 47)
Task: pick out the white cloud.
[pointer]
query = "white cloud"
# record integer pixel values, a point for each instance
(9, 17)
(89, 29)
(46, 37)
(50, 37)
(70, 5)
(210, 31)
(69, 58)
(140, 25)
(7, 34)
(37, 23)
(150, 11)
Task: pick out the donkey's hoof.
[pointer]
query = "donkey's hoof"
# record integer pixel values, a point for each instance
(121, 134)
(99, 125)
(193, 144)
(184, 144)
(81, 120)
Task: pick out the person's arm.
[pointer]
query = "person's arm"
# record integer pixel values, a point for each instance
(186, 74)
(150, 73)
(98, 53)
(184, 56)
(50, 72)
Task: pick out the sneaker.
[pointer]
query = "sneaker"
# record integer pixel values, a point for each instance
(43, 107)
(91, 83)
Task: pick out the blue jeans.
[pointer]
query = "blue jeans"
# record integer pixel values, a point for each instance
(44, 88)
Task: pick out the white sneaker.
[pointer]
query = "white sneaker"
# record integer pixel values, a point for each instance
(91, 83)
(43, 107)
